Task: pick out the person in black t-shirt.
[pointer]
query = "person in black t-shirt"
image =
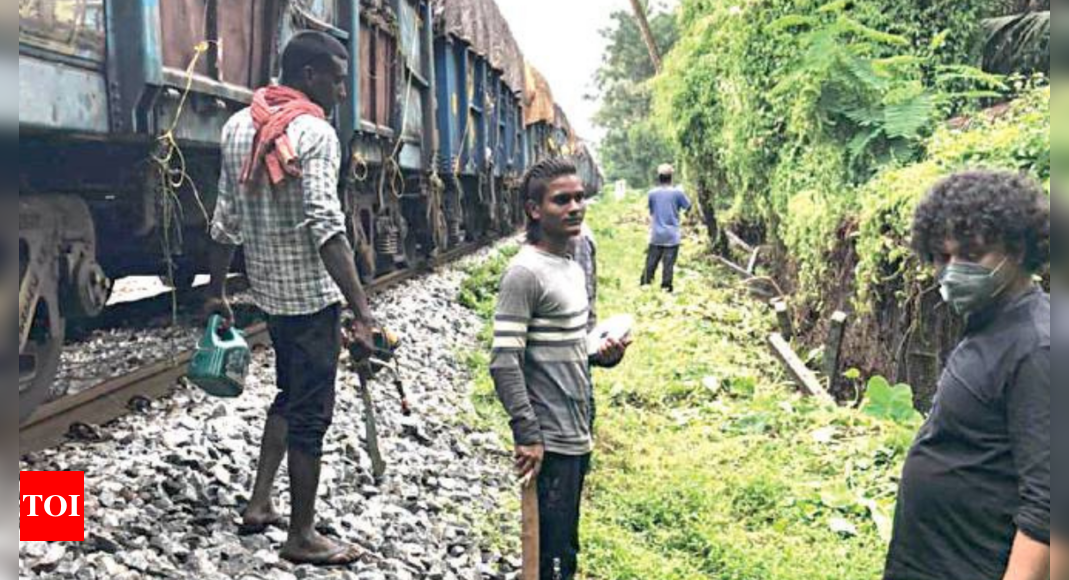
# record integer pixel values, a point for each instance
(974, 502)
(1059, 558)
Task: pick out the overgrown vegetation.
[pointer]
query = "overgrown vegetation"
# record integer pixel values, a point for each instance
(709, 465)
(1016, 137)
(816, 126)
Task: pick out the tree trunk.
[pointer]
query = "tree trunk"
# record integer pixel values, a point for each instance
(647, 34)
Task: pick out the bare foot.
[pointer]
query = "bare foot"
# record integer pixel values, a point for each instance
(318, 550)
(256, 520)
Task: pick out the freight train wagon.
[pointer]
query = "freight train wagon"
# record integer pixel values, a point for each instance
(121, 108)
(481, 150)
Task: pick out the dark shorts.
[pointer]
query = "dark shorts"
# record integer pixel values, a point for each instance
(560, 493)
(307, 350)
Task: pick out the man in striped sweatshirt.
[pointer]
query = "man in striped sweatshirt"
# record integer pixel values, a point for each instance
(540, 364)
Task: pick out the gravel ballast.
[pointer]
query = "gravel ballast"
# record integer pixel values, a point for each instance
(165, 489)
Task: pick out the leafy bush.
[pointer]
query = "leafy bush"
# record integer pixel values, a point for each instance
(1017, 138)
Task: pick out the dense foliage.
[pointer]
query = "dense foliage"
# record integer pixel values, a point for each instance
(806, 117)
(1017, 137)
(782, 107)
(633, 144)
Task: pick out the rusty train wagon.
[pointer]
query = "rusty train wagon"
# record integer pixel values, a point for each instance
(480, 117)
(121, 108)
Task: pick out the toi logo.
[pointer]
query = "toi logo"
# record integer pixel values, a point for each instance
(51, 506)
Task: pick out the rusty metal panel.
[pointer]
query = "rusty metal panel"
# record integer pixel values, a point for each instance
(538, 99)
(367, 74)
(183, 25)
(237, 19)
(246, 31)
(385, 78)
(73, 27)
(60, 97)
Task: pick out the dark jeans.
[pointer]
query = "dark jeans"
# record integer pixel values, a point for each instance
(560, 492)
(656, 255)
(307, 350)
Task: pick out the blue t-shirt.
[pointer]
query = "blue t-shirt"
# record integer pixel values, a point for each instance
(665, 205)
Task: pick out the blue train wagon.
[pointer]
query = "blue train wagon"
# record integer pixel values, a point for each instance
(480, 85)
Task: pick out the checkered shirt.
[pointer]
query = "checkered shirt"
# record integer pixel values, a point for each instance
(283, 228)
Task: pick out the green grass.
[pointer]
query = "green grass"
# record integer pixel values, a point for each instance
(708, 463)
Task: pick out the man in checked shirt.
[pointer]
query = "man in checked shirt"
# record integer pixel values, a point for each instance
(278, 197)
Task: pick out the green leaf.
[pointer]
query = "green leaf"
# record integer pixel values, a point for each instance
(862, 70)
(902, 60)
(940, 40)
(836, 6)
(790, 22)
(872, 34)
(839, 497)
(906, 120)
(857, 147)
(883, 401)
(973, 75)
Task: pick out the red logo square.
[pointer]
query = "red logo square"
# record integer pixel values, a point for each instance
(51, 506)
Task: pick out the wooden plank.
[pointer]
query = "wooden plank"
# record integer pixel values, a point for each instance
(801, 374)
(531, 533)
(733, 266)
(752, 267)
(833, 349)
(738, 242)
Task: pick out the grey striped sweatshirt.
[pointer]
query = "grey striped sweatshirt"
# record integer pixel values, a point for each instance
(540, 365)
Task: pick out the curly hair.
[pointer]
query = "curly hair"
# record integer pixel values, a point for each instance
(536, 183)
(980, 209)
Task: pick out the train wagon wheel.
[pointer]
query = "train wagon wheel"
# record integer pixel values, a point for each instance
(39, 358)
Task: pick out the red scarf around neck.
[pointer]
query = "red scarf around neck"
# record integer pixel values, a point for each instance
(273, 109)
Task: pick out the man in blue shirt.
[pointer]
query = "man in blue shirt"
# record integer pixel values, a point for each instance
(665, 204)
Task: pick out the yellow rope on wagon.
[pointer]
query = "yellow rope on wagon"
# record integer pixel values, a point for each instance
(173, 174)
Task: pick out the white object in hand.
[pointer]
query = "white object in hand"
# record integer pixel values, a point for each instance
(617, 328)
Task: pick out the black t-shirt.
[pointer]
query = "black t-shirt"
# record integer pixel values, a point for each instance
(1061, 394)
(980, 468)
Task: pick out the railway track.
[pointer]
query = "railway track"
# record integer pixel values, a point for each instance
(74, 416)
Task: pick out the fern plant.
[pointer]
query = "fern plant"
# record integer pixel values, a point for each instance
(870, 86)
(1018, 43)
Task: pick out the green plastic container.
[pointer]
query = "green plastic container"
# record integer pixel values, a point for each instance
(221, 362)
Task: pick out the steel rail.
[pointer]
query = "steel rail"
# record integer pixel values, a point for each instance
(52, 424)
